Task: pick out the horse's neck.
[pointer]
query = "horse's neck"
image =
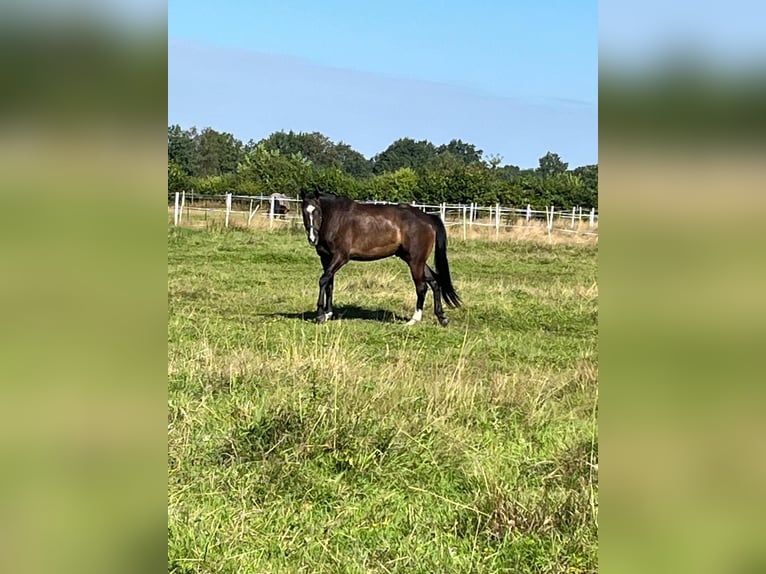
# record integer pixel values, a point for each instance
(331, 202)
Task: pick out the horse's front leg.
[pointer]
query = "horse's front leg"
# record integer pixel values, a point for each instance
(323, 298)
(328, 297)
(326, 286)
(326, 260)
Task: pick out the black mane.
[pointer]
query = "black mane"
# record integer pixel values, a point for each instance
(318, 194)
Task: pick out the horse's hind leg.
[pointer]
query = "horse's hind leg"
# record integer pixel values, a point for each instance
(434, 284)
(421, 288)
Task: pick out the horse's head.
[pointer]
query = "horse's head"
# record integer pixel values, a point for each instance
(312, 216)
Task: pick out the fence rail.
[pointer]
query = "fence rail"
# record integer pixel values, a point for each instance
(574, 220)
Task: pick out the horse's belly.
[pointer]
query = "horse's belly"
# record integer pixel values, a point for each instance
(372, 254)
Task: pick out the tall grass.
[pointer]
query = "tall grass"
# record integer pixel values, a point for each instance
(364, 445)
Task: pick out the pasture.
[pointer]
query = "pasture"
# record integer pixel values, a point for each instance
(364, 445)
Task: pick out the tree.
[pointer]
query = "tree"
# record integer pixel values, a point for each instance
(218, 153)
(508, 172)
(182, 149)
(404, 152)
(352, 162)
(551, 165)
(314, 147)
(269, 171)
(494, 161)
(465, 152)
(334, 180)
(320, 151)
(406, 171)
(399, 186)
(178, 180)
(588, 174)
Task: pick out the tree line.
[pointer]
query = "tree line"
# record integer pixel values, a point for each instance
(210, 162)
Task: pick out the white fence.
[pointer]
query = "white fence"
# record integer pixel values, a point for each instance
(574, 220)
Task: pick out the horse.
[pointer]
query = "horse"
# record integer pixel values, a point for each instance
(281, 204)
(343, 230)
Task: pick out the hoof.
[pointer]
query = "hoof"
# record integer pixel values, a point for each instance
(443, 321)
(416, 317)
(322, 317)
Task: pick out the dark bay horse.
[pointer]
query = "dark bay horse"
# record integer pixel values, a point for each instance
(342, 230)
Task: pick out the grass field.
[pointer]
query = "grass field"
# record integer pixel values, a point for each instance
(364, 445)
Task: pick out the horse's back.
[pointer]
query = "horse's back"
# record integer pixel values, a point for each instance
(372, 231)
(415, 232)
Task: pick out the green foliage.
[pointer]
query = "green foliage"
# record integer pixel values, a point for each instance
(181, 148)
(406, 171)
(177, 179)
(464, 152)
(352, 162)
(214, 184)
(271, 171)
(551, 165)
(400, 186)
(334, 180)
(404, 152)
(217, 153)
(313, 147)
(320, 151)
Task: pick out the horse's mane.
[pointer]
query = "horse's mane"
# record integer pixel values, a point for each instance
(324, 196)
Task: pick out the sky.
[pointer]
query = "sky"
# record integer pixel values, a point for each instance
(642, 34)
(516, 79)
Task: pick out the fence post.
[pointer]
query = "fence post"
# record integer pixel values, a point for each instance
(464, 210)
(550, 223)
(443, 212)
(252, 213)
(183, 202)
(592, 216)
(529, 211)
(497, 220)
(574, 210)
(271, 211)
(228, 208)
(175, 211)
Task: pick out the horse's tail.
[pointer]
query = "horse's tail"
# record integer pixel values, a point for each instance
(442, 266)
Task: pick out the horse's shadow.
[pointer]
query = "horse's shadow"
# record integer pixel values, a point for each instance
(347, 312)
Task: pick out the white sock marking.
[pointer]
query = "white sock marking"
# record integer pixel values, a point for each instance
(417, 316)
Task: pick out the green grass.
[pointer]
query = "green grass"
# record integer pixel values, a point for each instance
(364, 445)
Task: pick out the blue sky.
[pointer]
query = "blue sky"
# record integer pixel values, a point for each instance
(642, 34)
(517, 79)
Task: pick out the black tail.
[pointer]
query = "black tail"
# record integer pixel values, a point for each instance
(442, 266)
